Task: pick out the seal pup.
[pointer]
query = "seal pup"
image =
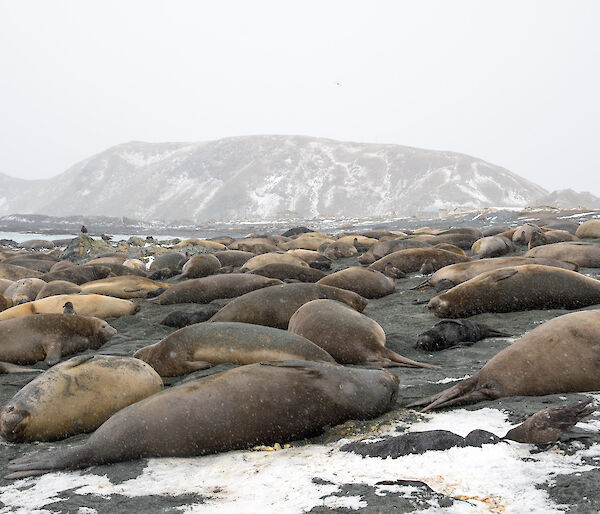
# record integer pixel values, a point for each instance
(274, 306)
(515, 289)
(236, 409)
(48, 337)
(180, 319)
(449, 333)
(347, 335)
(204, 345)
(57, 404)
(559, 356)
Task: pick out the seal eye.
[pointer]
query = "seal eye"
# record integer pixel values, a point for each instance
(11, 408)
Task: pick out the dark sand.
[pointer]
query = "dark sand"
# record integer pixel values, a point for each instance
(402, 321)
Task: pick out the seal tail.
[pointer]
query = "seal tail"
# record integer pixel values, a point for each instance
(490, 332)
(7, 367)
(396, 360)
(423, 285)
(40, 463)
(462, 393)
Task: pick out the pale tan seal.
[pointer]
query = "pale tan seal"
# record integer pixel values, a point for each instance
(235, 258)
(4, 283)
(56, 287)
(203, 345)
(76, 396)
(492, 246)
(270, 258)
(560, 356)
(13, 272)
(199, 266)
(589, 228)
(365, 282)
(127, 287)
(96, 305)
(586, 255)
(411, 260)
(23, 290)
(347, 335)
(240, 408)
(214, 245)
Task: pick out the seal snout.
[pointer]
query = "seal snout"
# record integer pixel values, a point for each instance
(439, 307)
(12, 422)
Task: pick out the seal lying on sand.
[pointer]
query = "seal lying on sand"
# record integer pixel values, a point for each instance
(57, 404)
(517, 289)
(274, 306)
(203, 345)
(126, 287)
(348, 336)
(48, 337)
(240, 408)
(560, 356)
(366, 282)
(451, 332)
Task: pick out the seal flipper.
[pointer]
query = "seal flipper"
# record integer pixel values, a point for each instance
(37, 464)
(392, 359)
(192, 366)
(467, 391)
(490, 332)
(7, 367)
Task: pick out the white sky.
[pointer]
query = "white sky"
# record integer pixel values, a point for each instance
(516, 83)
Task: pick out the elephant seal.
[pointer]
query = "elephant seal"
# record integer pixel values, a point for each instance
(308, 241)
(296, 231)
(549, 237)
(495, 230)
(41, 265)
(347, 335)
(170, 260)
(13, 272)
(515, 289)
(207, 289)
(61, 265)
(24, 290)
(205, 243)
(270, 258)
(236, 409)
(463, 271)
(383, 248)
(492, 246)
(464, 240)
(274, 306)
(57, 404)
(78, 274)
(128, 286)
(204, 345)
(4, 283)
(56, 287)
(365, 282)
(254, 245)
(47, 337)
(284, 271)
(559, 356)
(337, 250)
(522, 234)
(180, 319)
(135, 264)
(586, 255)
(312, 258)
(411, 260)
(4, 304)
(96, 305)
(199, 266)
(589, 228)
(235, 258)
(449, 333)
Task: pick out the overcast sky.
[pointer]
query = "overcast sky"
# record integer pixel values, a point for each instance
(516, 83)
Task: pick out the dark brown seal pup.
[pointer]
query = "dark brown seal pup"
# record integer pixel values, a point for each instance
(274, 306)
(560, 356)
(203, 345)
(207, 289)
(47, 337)
(365, 282)
(57, 404)
(348, 336)
(515, 289)
(451, 332)
(180, 319)
(240, 408)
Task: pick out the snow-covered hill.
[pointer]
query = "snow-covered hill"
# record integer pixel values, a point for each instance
(258, 177)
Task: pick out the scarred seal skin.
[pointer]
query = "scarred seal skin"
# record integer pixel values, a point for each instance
(560, 356)
(240, 408)
(76, 396)
(203, 345)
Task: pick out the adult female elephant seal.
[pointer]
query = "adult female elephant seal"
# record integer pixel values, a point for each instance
(274, 306)
(586, 255)
(13, 272)
(463, 271)
(348, 336)
(207, 289)
(24, 290)
(383, 248)
(270, 258)
(3, 303)
(76, 396)
(240, 408)
(199, 266)
(283, 271)
(203, 345)
(515, 289)
(367, 283)
(550, 237)
(48, 337)
(58, 287)
(411, 260)
(560, 356)
(235, 258)
(128, 286)
(96, 305)
(4, 283)
(492, 246)
(589, 228)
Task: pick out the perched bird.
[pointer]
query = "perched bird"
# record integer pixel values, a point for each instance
(68, 308)
(84, 230)
(105, 237)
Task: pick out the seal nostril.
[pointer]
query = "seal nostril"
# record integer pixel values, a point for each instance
(11, 408)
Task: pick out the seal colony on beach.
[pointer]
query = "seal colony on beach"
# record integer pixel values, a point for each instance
(298, 315)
